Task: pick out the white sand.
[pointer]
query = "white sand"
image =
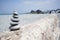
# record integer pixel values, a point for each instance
(44, 29)
(5, 20)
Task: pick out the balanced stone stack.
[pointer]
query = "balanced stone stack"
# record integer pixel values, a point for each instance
(14, 22)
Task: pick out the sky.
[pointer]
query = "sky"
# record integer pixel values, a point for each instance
(24, 6)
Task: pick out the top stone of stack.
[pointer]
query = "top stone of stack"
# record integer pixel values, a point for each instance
(15, 12)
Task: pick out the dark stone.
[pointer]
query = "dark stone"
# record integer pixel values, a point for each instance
(14, 20)
(15, 17)
(14, 29)
(15, 14)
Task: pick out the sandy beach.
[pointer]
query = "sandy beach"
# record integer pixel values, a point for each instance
(32, 26)
(24, 20)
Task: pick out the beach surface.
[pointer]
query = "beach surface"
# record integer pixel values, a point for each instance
(25, 19)
(46, 28)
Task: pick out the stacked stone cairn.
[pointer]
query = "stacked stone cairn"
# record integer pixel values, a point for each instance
(14, 22)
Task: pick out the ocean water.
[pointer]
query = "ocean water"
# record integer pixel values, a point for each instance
(25, 19)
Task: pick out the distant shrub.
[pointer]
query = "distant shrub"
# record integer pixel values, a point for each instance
(38, 11)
